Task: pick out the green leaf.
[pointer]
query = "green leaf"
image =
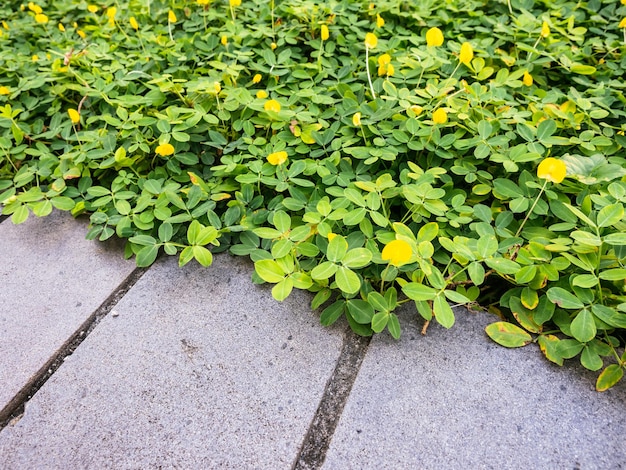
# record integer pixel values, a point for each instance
(609, 315)
(357, 258)
(321, 297)
(610, 215)
(583, 327)
(568, 348)
(147, 255)
(508, 335)
(456, 297)
(416, 291)
(428, 232)
(332, 313)
(185, 256)
(443, 313)
(379, 321)
(269, 270)
(282, 221)
(585, 281)
(324, 270)
(617, 274)
(337, 249)
(378, 301)
(20, 215)
(545, 129)
(165, 232)
(282, 290)
(476, 272)
(394, 326)
(618, 239)
(360, 310)
(502, 265)
(549, 345)
(347, 280)
(487, 246)
(202, 255)
(590, 360)
(609, 377)
(563, 298)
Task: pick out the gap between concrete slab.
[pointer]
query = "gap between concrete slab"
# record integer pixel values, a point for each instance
(15, 408)
(3, 217)
(320, 433)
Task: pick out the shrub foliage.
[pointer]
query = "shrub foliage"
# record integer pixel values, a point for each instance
(374, 154)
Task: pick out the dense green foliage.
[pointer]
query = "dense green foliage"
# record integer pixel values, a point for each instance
(399, 169)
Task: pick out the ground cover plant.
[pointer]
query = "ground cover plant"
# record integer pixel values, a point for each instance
(372, 153)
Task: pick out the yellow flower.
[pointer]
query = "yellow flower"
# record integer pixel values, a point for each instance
(133, 23)
(164, 150)
(622, 24)
(440, 116)
(380, 22)
(324, 34)
(527, 79)
(384, 59)
(261, 94)
(330, 236)
(171, 17)
(416, 109)
(552, 169)
(74, 115)
(111, 12)
(217, 87)
(257, 78)
(5, 25)
(81, 33)
(36, 9)
(202, 2)
(272, 105)
(356, 119)
(277, 158)
(234, 3)
(371, 40)
(466, 54)
(61, 27)
(41, 18)
(273, 45)
(35, 58)
(224, 40)
(92, 8)
(4, 90)
(397, 252)
(434, 37)
(382, 70)
(545, 29)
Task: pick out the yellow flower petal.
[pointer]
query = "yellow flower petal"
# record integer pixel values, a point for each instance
(257, 78)
(331, 235)
(4, 90)
(234, 3)
(164, 150)
(545, 29)
(261, 94)
(356, 119)
(277, 158)
(224, 40)
(380, 22)
(440, 116)
(552, 170)
(397, 252)
(133, 23)
(434, 37)
(74, 116)
(36, 9)
(466, 54)
(416, 109)
(622, 24)
(390, 70)
(92, 8)
(171, 17)
(324, 33)
(202, 2)
(61, 27)
(273, 45)
(217, 87)
(111, 12)
(272, 105)
(371, 40)
(527, 79)
(41, 18)
(81, 33)
(384, 59)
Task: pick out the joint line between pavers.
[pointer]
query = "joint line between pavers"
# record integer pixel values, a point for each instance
(15, 407)
(317, 440)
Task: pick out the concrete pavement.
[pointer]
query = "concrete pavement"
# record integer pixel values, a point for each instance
(200, 368)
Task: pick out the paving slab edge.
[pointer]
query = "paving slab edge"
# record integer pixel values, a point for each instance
(15, 408)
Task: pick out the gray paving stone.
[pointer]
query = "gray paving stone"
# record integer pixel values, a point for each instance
(51, 280)
(200, 369)
(453, 399)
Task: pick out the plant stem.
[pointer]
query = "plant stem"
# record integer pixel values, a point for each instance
(367, 67)
(519, 230)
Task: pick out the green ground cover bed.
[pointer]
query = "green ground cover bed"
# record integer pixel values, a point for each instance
(372, 153)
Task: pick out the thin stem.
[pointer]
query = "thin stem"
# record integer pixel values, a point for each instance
(367, 67)
(169, 30)
(519, 230)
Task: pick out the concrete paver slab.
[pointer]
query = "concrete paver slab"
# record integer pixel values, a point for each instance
(199, 369)
(51, 280)
(454, 399)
